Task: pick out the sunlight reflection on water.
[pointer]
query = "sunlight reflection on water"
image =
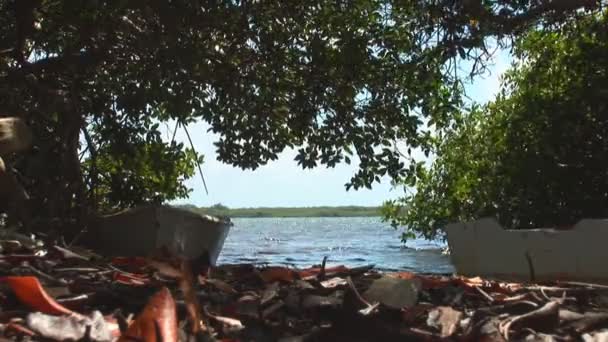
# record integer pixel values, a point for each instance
(352, 241)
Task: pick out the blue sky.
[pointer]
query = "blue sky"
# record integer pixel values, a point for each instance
(284, 183)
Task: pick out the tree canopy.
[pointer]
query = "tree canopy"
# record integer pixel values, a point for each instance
(537, 155)
(332, 78)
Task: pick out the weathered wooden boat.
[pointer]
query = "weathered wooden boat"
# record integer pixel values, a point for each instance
(484, 248)
(143, 230)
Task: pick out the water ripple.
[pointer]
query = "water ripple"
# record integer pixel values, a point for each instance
(350, 241)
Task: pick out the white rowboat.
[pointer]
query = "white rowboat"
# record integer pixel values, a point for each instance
(142, 230)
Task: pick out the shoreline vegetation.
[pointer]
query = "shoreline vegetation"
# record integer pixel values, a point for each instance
(322, 211)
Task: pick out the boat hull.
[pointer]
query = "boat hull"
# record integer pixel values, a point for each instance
(143, 230)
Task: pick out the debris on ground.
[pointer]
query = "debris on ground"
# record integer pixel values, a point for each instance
(52, 292)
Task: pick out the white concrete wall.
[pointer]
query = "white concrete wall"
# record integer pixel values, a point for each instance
(484, 248)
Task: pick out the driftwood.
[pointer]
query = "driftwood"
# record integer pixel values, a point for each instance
(15, 136)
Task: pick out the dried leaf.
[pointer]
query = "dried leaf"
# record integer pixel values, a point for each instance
(413, 314)
(248, 306)
(426, 282)
(130, 279)
(10, 246)
(270, 292)
(272, 274)
(445, 319)
(221, 285)
(133, 264)
(166, 269)
(30, 292)
(58, 291)
(543, 319)
(334, 282)
(71, 327)
(157, 322)
(569, 316)
(272, 308)
(68, 254)
(231, 323)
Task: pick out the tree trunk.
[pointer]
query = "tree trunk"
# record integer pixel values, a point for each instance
(15, 136)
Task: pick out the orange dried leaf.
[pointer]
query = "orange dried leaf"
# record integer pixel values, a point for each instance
(157, 321)
(427, 282)
(30, 292)
(273, 274)
(130, 279)
(474, 281)
(403, 275)
(131, 264)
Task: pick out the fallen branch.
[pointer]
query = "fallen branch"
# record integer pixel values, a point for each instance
(484, 294)
(369, 308)
(587, 285)
(542, 319)
(321, 275)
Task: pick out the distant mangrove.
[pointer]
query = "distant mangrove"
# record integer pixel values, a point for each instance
(325, 211)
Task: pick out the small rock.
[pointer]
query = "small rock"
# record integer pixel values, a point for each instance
(394, 293)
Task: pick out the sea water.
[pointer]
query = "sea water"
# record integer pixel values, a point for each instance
(350, 241)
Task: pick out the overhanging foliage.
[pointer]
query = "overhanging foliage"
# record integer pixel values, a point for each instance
(335, 79)
(534, 157)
